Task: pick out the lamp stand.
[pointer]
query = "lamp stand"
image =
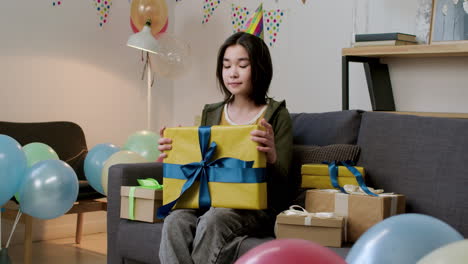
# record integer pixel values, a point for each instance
(149, 83)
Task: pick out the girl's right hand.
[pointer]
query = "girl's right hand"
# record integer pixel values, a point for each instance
(164, 144)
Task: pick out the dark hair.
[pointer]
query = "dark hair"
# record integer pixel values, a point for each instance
(260, 61)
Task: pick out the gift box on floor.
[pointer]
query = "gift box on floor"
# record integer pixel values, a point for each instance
(140, 204)
(317, 176)
(217, 166)
(324, 231)
(361, 211)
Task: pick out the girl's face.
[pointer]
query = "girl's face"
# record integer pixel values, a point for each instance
(237, 71)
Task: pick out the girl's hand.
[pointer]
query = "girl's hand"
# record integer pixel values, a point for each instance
(164, 144)
(267, 140)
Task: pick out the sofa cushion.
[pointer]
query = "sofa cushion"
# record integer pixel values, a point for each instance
(303, 154)
(424, 158)
(341, 127)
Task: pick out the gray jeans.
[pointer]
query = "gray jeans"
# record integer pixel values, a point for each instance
(213, 236)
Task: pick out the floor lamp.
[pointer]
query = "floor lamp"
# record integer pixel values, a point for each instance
(145, 41)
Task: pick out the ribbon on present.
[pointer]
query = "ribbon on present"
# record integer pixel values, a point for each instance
(148, 183)
(308, 216)
(333, 172)
(230, 170)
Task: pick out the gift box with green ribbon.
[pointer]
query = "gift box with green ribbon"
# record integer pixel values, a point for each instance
(140, 203)
(217, 166)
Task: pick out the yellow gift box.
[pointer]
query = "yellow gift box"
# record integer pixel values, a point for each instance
(231, 142)
(317, 176)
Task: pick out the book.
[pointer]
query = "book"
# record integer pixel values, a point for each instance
(383, 43)
(385, 36)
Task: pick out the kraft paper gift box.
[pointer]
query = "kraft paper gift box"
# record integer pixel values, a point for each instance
(361, 211)
(239, 183)
(145, 204)
(324, 231)
(317, 176)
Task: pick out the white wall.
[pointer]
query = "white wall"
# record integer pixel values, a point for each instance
(56, 63)
(307, 57)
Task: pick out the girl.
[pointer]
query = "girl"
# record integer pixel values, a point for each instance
(244, 72)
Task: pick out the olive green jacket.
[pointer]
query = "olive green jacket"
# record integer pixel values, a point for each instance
(278, 117)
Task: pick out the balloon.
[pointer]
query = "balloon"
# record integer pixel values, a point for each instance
(123, 156)
(453, 253)
(94, 162)
(48, 190)
(136, 30)
(403, 238)
(295, 251)
(154, 10)
(13, 164)
(144, 143)
(173, 58)
(36, 152)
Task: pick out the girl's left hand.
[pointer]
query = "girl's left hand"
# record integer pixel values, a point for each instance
(267, 140)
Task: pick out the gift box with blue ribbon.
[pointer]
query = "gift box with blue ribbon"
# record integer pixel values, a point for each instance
(318, 176)
(216, 166)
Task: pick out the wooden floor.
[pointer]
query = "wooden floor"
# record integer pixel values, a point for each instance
(92, 250)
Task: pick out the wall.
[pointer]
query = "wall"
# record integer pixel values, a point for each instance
(307, 57)
(56, 63)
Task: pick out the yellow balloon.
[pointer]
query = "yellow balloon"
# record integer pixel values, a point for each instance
(120, 157)
(153, 10)
(453, 253)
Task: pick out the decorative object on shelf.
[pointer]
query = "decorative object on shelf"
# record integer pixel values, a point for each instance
(449, 18)
(423, 21)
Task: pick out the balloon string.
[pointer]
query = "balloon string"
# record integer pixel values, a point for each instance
(14, 227)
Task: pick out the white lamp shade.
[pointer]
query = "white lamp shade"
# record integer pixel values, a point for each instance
(143, 40)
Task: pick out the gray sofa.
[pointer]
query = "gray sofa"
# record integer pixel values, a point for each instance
(425, 158)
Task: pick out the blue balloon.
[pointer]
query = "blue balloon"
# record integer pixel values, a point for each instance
(401, 239)
(48, 190)
(94, 162)
(13, 164)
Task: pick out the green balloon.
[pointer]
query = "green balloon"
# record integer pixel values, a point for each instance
(36, 152)
(144, 143)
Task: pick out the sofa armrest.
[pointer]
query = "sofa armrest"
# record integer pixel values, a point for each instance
(124, 175)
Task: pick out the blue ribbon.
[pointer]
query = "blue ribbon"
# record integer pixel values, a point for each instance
(333, 171)
(220, 170)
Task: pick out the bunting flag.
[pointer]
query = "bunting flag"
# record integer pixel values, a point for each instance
(209, 7)
(238, 17)
(273, 20)
(255, 24)
(102, 8)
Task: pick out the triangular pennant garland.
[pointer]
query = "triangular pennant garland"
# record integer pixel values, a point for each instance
(273, 20)
(56, 3)
(238, 17)
(209, 6)
(102, 8)
(255, 24)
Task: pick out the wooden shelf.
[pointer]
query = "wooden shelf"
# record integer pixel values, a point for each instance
(405, 51)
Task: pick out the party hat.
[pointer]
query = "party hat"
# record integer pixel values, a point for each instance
(254, 25)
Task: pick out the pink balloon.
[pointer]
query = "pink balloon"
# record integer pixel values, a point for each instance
(135, 29)
(296, 251)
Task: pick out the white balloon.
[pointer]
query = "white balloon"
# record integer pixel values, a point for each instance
(173, 58)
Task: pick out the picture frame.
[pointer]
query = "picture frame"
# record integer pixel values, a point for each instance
(449, 21)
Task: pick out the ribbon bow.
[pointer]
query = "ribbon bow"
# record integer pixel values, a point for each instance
(148, 183)
(333, 171)
(201, 171)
